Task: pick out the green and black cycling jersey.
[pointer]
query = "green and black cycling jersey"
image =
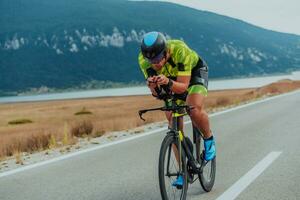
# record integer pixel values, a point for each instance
(183, 61)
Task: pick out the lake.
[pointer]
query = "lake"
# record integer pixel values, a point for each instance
(213, 85)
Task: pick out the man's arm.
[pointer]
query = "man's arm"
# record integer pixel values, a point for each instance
(179, 86)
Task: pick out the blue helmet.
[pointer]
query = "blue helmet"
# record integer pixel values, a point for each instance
(154, 46)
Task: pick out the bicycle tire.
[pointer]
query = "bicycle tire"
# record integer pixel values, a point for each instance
(166, 149)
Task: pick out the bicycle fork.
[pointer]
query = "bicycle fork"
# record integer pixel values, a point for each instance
(182, 145)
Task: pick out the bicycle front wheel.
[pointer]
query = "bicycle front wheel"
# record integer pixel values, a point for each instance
(169, 170)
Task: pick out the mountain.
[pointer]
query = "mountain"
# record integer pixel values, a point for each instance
(65, 44)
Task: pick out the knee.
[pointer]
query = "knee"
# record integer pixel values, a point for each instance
(197, 109)
(196, 101)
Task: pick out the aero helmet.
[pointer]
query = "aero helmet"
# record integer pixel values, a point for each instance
(154, 46)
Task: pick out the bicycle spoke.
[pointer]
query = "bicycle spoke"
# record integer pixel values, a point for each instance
(207, 171)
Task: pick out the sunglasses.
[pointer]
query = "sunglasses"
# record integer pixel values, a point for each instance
(157, 58)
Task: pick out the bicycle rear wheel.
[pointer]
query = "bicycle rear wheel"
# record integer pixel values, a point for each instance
(169, 170)
(208, 172)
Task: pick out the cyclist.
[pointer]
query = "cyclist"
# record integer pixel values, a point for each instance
(173, 64)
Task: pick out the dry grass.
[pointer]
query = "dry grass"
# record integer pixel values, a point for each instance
(98, 133)
(21, 142)
(18, 157)
(222, 101)
(68, 138)
(52, 142)
(56, 122)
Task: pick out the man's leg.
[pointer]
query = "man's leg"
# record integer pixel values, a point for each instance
(201, 121)
(198, 114)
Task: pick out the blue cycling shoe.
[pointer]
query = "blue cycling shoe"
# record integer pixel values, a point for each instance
(210, 149)
(178, 182)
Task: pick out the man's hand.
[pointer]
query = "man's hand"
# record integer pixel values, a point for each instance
(155, 82)
(161, 79)
(151, 82)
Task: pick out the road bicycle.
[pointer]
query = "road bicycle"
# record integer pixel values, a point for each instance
(177, 155)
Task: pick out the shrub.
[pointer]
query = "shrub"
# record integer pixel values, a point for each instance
(19, 121)
(36, 142)
(83, 111)
(82, 129)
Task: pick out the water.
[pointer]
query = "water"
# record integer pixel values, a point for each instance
(213, 85)
(250, 82)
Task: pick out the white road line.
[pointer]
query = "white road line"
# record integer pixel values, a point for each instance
(248, 178)
(10, 172)
(249, 104)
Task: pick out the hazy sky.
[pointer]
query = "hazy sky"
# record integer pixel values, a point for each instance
(279, 15)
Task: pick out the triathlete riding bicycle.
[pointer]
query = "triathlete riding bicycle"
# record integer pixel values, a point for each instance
(173, 64)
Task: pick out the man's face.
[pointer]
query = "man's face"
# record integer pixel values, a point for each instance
(158, 66)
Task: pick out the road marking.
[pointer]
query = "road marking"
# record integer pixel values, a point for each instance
(31, 166)
(248, 178)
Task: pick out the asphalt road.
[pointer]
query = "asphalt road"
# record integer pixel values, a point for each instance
(128, 171)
